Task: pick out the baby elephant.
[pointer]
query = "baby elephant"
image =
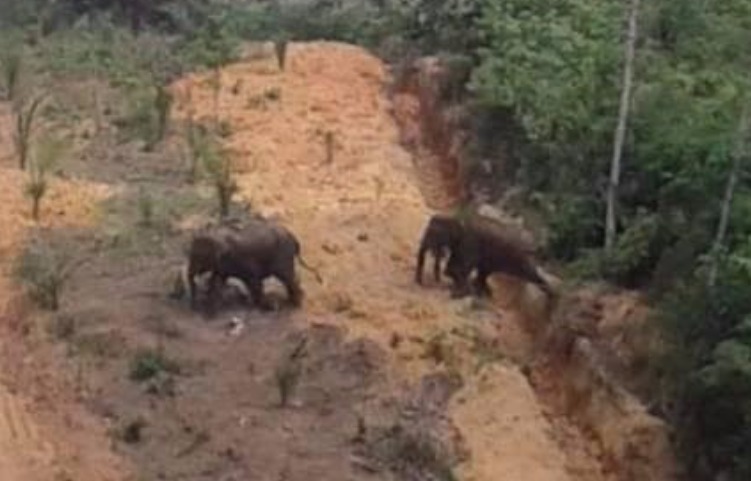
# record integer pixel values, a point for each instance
(250, 252)
(440, 236)
(486, 248)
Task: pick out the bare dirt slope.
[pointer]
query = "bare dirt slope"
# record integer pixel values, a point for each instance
(44, 434)
(359, 219)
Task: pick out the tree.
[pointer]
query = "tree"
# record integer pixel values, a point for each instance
(738, 155)
(620, 131)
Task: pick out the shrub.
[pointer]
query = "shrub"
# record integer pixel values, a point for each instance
(217, 165)
(280, 48)
(49, 151)
(25, 115)
(147, 115)
(705, 374)
(287, 376)
(195, 141)
(149, 363)
(11, 62)
(44, 270)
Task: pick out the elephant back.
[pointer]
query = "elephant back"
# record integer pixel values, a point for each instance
(499, 236)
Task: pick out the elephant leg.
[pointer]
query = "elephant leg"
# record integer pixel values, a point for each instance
(460, 287)
(481, 283)
(437, 259)
(285, 272)
(255, 285)
(215, 283)
(192, 287)
(420, 262)
(294, 291)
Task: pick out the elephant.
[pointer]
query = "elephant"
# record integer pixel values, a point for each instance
(486, 248)
(441, 234)
(249, 251)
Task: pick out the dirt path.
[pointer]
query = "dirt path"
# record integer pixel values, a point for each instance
(359, 219)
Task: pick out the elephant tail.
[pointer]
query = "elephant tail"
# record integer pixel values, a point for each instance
(309, 268)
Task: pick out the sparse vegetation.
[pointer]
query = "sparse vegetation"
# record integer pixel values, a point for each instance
(46, 156)
(44, 268)
(262, 100)
(11, 63)
(62, 327)
(147, 115)
(288, 371)
(280, 49)
(145, 208)
(218, 166)
(287, 376)
(195, 140)
(25, 114)
(162, 104)
(150, 363)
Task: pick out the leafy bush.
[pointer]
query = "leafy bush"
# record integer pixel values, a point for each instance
(706, 373)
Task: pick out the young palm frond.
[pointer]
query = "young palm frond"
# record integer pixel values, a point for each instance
(25, 115)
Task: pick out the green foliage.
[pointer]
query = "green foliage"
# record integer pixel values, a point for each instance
(438, 25)
(574, 225)
(147, 364)
(212, 46)
(554, 63)
(707, 373)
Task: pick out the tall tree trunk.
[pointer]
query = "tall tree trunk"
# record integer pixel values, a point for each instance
(620, 131)
(739, 152)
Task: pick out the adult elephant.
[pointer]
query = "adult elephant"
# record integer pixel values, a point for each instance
(485, 247)
(251, 252)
